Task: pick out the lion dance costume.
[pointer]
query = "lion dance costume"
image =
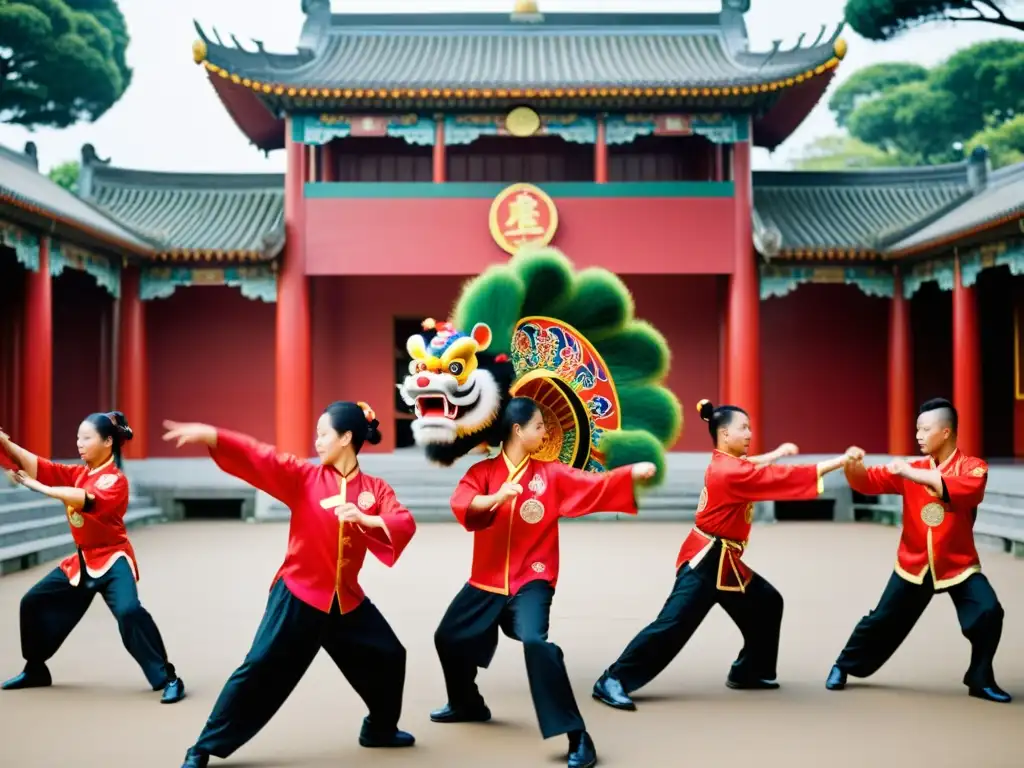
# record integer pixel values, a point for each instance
(535, 327)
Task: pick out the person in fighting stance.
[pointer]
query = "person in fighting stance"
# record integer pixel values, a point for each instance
(941, 493)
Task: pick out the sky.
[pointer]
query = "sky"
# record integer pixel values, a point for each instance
(170, 119)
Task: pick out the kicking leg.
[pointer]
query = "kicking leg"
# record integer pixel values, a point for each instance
(372, 659)
(139, 632)
(286, 643)
(49, 612)
(878, 634)
(757, 612)
(658, 643)
(981, 621)
(466, 640)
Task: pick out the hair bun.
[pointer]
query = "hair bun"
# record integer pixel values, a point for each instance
(120, 422)
(373, 436)
(705, 409)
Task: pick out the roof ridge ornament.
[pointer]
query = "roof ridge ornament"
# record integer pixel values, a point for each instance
(736, 6)
(527, 11)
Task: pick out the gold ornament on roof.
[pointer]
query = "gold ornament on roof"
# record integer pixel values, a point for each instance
(199, 51)
(526, 6)
(522, 122)
(839, 47)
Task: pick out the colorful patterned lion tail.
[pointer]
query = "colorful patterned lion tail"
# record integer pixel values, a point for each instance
(594, 304)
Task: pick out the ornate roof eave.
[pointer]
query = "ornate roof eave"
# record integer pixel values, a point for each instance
(979, 232)
(33, 214)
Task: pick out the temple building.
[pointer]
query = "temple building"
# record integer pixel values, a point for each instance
(423, 148)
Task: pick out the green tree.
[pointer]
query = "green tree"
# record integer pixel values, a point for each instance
(839, 152)
(61, 61)
(868, 83)
(66, 175)
(1004, 142)
(885, 19)
(930, 119)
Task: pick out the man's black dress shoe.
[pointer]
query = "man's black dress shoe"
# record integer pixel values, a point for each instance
(449, 714)
(195, 759)
(174, 691)
(34, 676)
(609, 691)
(582, 753)
(836, 680)
(751, 685)
(991, 693)
(388, 738)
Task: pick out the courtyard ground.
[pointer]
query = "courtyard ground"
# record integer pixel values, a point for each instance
(206, 586)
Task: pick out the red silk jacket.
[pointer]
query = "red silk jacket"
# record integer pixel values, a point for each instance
(518, 542)
(938, 532)
(726, 510)
(98, 529)
(324, 555)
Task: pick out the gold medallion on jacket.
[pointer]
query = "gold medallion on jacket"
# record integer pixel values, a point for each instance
(933, 514)
(702, 502)
(75, 518)
(365, 500)
(532, 511)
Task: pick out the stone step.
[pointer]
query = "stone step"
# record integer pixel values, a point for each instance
(45, 522)
(15, 494)
(30, 553)
(37, 506)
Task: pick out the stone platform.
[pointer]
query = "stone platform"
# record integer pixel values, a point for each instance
(206, 584)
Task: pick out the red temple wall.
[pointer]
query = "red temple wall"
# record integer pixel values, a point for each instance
(12, 291)
(81, 361)
(211, 359)
(410, 236)
(824, 369)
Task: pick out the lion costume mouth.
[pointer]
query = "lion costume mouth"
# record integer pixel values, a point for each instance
(435, 407)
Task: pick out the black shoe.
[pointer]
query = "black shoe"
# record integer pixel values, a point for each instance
(836, 679)
(388, 738)
(174, 691)
(195, 759)
(609, 691)
(449, 714)
(991, 693)
(751, 685)
(582, 753)
(34, 676)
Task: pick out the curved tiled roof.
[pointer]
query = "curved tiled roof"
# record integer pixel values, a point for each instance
(491, 51)
(1002, 199)
(22, 186)
(858, 212)
(231, 217)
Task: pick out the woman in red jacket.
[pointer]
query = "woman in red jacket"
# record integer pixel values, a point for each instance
(95, 496)
(338, 513)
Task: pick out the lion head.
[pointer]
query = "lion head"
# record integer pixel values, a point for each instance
(451, 394)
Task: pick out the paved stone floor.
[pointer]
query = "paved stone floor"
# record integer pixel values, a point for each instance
(206, 585)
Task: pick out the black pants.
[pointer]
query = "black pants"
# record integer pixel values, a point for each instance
(53, 608)
(757, 612)
(468, 637)
(360, 642)
(877, 636)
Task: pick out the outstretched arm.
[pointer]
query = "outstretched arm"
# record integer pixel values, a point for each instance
(583, 493)
(260, 465)
(786, 449)
(14, 457)
(781, 482)
(69, 496)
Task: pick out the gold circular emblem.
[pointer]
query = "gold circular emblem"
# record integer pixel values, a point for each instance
(75, 518)
(933, 514)
(539, 567)
(522, 122)
(532, 511)
(105, 481)
(978, 472)
(749, 514)
(522, 214)
(365, 500)
(703, 501)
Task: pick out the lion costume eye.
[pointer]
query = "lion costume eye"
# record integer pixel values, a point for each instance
(455, 368)
(417, 366)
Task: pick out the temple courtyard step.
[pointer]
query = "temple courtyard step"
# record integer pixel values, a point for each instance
(34, 532)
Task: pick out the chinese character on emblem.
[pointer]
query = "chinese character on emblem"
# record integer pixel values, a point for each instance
(523, 214)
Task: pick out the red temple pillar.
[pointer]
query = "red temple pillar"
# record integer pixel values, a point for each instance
(440, 152)
(966, 364)
(901, 373)
(293, 394)
(743, 324)
(328, 161)
(36, 422)
(601, 152)
(132, 365)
